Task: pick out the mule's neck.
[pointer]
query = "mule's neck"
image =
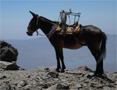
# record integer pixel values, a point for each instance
(45, 25)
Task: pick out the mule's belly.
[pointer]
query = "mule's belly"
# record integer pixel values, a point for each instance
(75, 46)
(70, 42)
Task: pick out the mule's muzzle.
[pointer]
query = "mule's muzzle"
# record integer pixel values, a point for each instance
(29, 34)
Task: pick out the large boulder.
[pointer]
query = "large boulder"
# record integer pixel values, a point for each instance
(8, 52)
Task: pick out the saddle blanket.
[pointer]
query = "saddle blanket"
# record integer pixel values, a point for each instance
(69, 29)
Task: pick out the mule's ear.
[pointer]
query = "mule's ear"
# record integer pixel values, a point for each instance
(33, 14)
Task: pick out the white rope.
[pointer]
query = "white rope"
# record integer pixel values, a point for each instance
(69, 19)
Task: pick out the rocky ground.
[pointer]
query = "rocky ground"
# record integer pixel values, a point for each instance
(46, 79)
(13, 77)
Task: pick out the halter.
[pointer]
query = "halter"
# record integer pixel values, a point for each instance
(40, 33)
(37, 24)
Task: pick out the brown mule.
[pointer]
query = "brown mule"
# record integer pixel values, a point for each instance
(90, 36)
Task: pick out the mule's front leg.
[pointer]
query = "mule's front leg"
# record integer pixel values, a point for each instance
(58, 64)
(58, 60)
(63, 66)
(62, 60)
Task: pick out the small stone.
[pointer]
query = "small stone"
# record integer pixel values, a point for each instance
(53, 87)
(47, 69)
(34, 83)
(27, 87)
(116, 82)
(2, 77)
(45, 85)
(28, 76)
(89, 76)
(91, 73)
(92, 84)
(84, 84)
(107, 88)
(22, 83)
(62, 86)
(79, 85)
(85, 68)
(63, 80)
(53, 74)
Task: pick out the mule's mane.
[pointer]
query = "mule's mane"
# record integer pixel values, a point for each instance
(48, 20)
(54, 22)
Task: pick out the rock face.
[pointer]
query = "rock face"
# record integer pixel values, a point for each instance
(8, 57)
(7, 52)
(41, 79)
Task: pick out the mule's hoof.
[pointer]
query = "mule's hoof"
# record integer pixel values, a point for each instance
(98, 74)
(62, 70)
(57, 70)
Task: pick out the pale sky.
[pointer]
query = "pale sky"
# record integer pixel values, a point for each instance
(15, 16)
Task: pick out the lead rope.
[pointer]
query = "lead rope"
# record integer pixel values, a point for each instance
(37, 30)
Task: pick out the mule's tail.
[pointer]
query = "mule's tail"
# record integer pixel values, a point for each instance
(102, 47)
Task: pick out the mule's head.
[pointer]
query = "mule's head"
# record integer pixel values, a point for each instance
(33, 25)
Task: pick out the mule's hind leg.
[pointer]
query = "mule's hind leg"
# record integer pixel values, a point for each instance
(99, 63)
(99, 68)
